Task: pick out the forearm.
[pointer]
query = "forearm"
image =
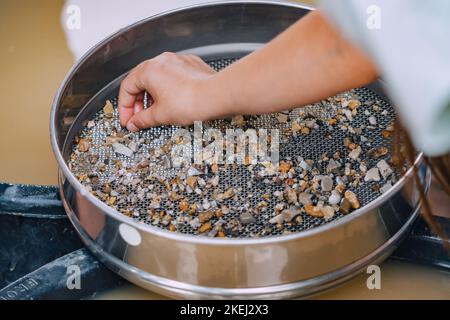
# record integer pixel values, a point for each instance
(308, 62)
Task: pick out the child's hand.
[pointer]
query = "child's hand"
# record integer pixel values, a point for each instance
(180, 88)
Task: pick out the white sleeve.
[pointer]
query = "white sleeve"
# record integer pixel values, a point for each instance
(409, 41)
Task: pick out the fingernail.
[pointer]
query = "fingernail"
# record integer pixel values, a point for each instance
(132, 127)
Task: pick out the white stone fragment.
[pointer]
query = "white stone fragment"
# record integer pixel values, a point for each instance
(326, 184)
(121, 149)
(335, 198)
(193, 172)
(372, 175)
(354, 154)
(304, 165)
(384, 168)
(279, 219)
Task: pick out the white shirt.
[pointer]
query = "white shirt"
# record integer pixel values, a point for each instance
(410, 42)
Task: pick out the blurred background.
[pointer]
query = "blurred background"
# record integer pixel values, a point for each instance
(34, 57)
(33, 61)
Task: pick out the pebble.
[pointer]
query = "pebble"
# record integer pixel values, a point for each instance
(108, 109)
(332, 166)
(84, 145)
(304, 198)
(335, 198)
(282, 118)
(238, 121)
(285, 167)
(372, 175)
(354, 154)
(384, 168)
(291, 195)
(352, 198)
(290, 214)
(314, 211)
(372, 121)
(205, 227)
(328, 212)
(353, 104)
(378, 152)
(205, 216)
(193, 172)
(121, 149)
(298, 219)
(278, 219)
(345, 206)
(326, 184)
(246, 218)
(304, 165)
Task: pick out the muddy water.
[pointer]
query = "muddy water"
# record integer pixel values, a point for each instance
(33, 61)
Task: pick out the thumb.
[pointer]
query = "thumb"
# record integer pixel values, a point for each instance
(143, 119)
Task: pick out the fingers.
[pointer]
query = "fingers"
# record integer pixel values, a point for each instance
(131, 89)
(139, 103)
(143, 119)
(164, 73)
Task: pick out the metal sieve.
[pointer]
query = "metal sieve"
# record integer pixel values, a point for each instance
(311, 258)
(311, 146)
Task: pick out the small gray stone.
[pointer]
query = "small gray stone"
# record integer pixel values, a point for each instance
(246, 218)
(212, 233)
(282, 118)
(121, 149)
(291, 213)
(133, 146)
(335, 198)
(354, 154)
(372, 175)
(304, 165)
(304, 198)
(326, 184)
(279, 219)
(373, 121)
(193, 172)
(332, 166)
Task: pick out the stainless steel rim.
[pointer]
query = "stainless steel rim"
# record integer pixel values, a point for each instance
(189, 238)
(300, 289)
(335, 269)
